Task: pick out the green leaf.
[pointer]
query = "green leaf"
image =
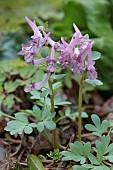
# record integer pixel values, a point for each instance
(103, 149)
(62, 103)
(96, 55)
(19, 125)
(76, 147)
(27, 72)
(37, 112)
(96, 120)
(57, 77)
(109, 157)
(50, 125)
(45, 113)
(100, 156)
(109, 149)
(79, 152)
(50, 116)
(45, 93)
(94, 82)
(104, 125)
(67, 81)
(35, 95)
(28, 130)
(90, 127)
(71, 156)
(19, 116)
(9, 101)
(11, 86)
(40, 126)
(34, 163)
(87, 149)
(74, 115)
(57, 85)
(99, 127)
(68, 111)
(93, 159)
(84, 114)
(33, 125)
(88, 166)
(76, 167)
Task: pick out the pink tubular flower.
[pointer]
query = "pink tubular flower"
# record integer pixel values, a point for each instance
(70, 51)
(39, 61)
(53, 43)
(91, 73)
(77, 55)
(35, 44)
(37, 86)
(35, 29)
(51, 61)
(78, 65)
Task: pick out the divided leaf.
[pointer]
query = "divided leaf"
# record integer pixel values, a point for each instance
(20, 125)
(78, 153)
(98, 128)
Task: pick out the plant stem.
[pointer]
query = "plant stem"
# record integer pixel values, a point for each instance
(80, 107)
(6, 115)
(109, 131)
(48, 137)
(53, 110)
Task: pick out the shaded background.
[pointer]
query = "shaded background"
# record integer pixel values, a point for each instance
(94, 17)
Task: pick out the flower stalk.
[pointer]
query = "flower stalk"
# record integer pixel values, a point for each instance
(80, 107)
(53, 110)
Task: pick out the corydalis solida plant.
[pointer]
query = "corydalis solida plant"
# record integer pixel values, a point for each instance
(75, 55)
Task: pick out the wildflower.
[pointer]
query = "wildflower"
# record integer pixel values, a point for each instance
(51, 61)
(35, 44)
(27, 52)
(37, 86)
(39, 61)
(77, 55)
(91, 72)
(52, 42)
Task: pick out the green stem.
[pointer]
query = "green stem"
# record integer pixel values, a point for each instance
(53, 110)
(5, 115)
(80, 107)
(109, 131)
(59, 119)
(48, 137)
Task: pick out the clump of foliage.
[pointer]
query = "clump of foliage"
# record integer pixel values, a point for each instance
(15, 74)
(98, 24)
(92, 157)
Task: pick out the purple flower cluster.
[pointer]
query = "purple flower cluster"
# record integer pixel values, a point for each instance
(75, 55)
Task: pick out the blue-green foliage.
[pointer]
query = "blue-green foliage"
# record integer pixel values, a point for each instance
(98, 128)
(83, 153)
